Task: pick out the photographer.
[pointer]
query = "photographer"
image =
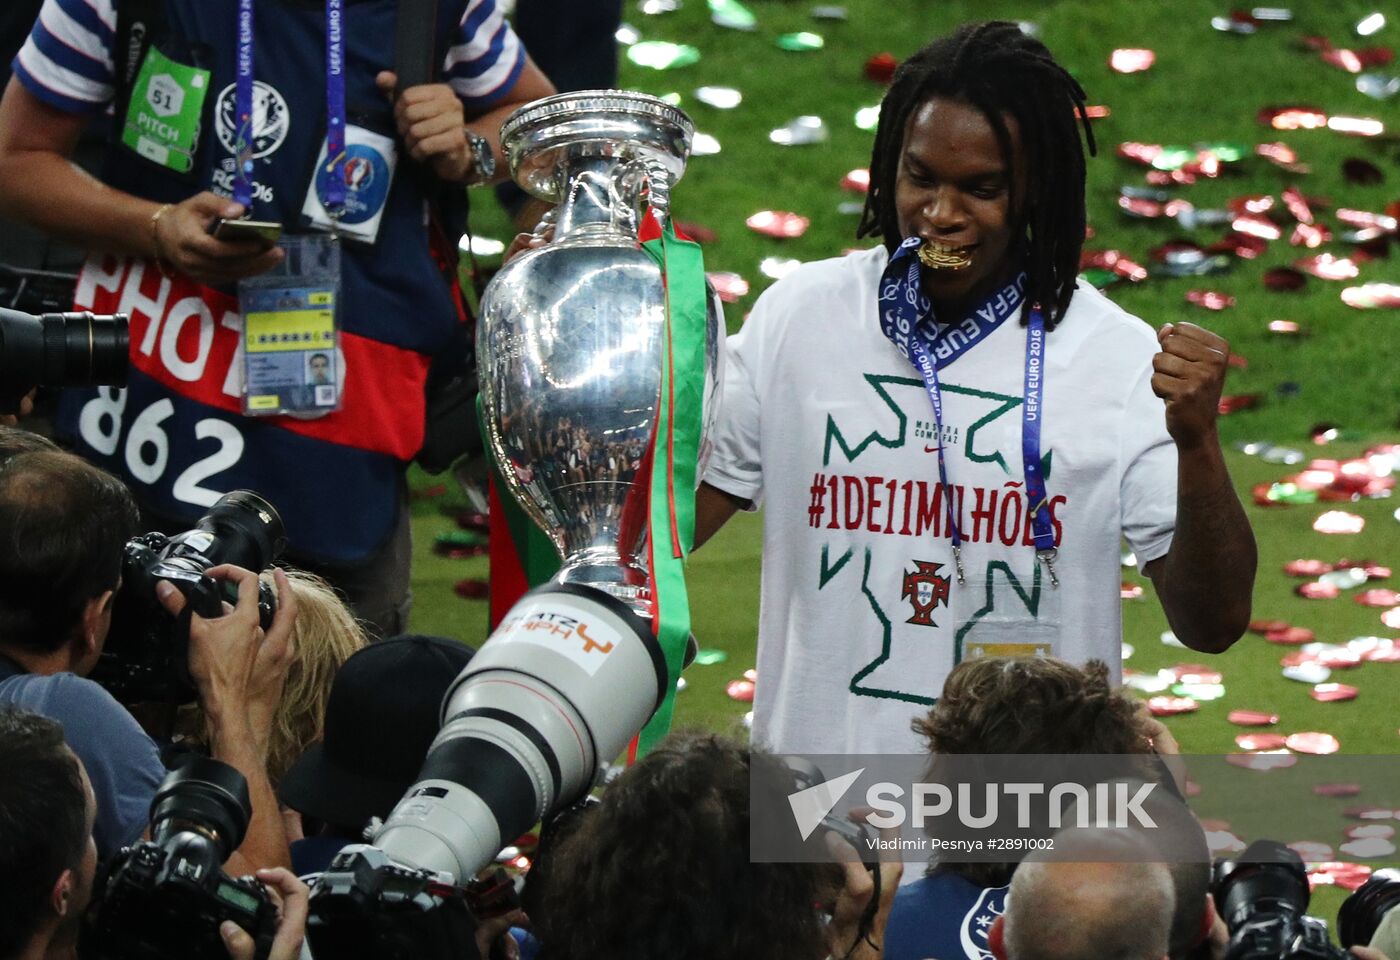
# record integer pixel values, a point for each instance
(65, 523)
(291, 922)
(47, 856)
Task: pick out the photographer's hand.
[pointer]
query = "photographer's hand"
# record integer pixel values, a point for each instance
(291, 921)
(224, 663)
(273, 659)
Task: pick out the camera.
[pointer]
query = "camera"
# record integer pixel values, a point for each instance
(1362, 912)
(59, 350)
(146, 657)
(557, 691)
(166, 897)
(1262, 897)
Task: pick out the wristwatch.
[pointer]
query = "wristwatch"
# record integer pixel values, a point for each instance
(483, 159)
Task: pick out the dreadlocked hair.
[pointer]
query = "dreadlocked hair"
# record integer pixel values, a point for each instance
(1001, 71)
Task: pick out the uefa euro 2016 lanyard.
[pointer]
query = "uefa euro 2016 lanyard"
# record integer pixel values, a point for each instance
(904, 317)
(332, 180)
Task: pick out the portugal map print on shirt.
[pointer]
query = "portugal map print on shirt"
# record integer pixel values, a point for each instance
(916, 611)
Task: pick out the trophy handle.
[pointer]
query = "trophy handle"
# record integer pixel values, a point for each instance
(659, 182)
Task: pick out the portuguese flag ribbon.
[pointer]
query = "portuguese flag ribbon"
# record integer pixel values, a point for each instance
(675, 450)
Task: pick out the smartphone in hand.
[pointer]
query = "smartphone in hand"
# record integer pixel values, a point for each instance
(265, 232)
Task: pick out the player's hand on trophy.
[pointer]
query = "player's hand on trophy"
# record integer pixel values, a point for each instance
(1189, 374)
(542, 234)
(432, 124)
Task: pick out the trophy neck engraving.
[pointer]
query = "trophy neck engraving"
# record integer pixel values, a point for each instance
(602, 195)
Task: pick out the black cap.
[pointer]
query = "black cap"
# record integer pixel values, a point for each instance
(382, 716)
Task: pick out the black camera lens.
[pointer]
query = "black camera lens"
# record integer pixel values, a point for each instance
(206, 796)
(63, 349)
(246, 531)
(1267, 878)
(1362, 912)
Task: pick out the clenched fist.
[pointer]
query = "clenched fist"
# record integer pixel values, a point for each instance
(1188, 374)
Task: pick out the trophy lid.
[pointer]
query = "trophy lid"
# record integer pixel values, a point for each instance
(612, 123)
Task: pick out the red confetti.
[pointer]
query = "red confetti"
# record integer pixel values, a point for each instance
(857, 181)
(1140, 208)
(1112, 260)
(1242, 245)
(1256, 225)
(1377, 598)
(472, 589)
(1267, 626)
(1130, 591)
(881, 67)
(1348, 876)
(1339, 658)
(1297, 205)
(1287, 327)
(1361, 172)
(1310, 235)
(1142, 153)
(1293, 118)
(1318, 591)
(1347, 60)
(1364, 219)
(1284, 279)
(741, 690)
(1260, 741)
(1131, 60)
(1391, 618)
(1332, 692)
(1291, 636)
(1307, 568)
(1313, 742)
(1210, 299)
(1336, 789)
(778, 223)
(1279, 153)
(1252, 718)
(1171, 706)
(1327, 266)
(1339, 521)
(1094, 111)
(730, 286)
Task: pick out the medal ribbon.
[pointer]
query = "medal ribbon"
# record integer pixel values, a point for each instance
(906, 318)
(332, 186)
(675, 451)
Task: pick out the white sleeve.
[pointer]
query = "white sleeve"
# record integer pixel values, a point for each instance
(67, 60)
(1147, 457)
(736, 462)
(486, 58)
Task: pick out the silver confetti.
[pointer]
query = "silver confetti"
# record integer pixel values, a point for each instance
(1378, 85)
(721, 98)
(778, 267)
(1370, 24)
(704, 145)
(1307, 673)
(627, 34)
(801, 132)
(829, 13)
(653, 7)
(1348, 578)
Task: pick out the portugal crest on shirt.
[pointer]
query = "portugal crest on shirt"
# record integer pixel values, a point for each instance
(925, 590)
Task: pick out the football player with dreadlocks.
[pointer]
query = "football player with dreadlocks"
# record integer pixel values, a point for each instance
(950, 436)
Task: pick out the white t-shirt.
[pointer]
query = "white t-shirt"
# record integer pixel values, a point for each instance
(828, 427)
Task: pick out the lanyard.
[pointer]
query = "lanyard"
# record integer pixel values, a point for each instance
(332, 181)
(904, 314)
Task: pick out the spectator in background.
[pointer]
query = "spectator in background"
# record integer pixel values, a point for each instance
(380, 718)
(1004, 705)
(1093, 899)
(64, 523)
(48, 860)
(325, 635)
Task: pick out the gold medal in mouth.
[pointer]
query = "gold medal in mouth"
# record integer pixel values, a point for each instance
(938, 257)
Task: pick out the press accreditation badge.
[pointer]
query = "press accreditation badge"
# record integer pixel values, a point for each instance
(368, 172)
(162, 121)
(291, 363)
(1006, 609)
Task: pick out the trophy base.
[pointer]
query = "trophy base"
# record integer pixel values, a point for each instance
(624, 578)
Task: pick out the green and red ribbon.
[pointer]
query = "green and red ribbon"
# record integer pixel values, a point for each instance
(674, 455)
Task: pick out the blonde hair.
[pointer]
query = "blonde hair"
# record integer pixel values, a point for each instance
(324, 636)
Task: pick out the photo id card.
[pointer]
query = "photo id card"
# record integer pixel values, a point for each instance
(368, 172)
(290, 335)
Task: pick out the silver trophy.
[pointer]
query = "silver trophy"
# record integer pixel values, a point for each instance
(569, 338)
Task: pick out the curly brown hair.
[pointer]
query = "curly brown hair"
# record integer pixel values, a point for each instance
(661, 868)
(1040, 705)
(1032, 705)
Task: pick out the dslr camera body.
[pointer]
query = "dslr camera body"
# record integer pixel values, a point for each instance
(1262, 897)
(166, 897)
(146, 657)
